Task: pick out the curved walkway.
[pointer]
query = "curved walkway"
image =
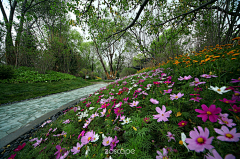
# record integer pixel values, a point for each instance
(17, 115)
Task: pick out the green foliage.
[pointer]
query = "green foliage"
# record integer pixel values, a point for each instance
(29, 75)
(6, 72)
(127, 71)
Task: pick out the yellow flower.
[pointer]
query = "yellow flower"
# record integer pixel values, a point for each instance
(178, 114)
(195, 61)
(134, 128)
(100, 132)
(176, 62)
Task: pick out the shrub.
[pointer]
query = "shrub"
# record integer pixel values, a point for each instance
(6, 72)
(127, 71)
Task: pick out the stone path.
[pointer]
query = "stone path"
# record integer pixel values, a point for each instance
(17, 115)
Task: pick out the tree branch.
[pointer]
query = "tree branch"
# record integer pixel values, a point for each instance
(3, 12)
(133, 22)
(185, 14)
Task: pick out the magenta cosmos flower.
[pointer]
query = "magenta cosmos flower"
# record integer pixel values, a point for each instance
(20, 147)
(134, 103)
(154, 101)
(12, 156)
(162, 116)
(199, 140)
(182, 123)
(209, 113)
(118, 111)
(196, 82)
(235, 80)
(229, 136)
(235, 109)
(81, 134)
(114, 142)
(59, 152)
(174, 96)
(225, 100)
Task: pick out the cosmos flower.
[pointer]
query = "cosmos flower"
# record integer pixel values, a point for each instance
(154, 101)
(174, 96)
(209, 113)
(162, 116)
(170, 136)
(219, 90)
(199, 140)
(229, 136)
(196, 82)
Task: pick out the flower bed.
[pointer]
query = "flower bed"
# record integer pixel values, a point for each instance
(186, 108)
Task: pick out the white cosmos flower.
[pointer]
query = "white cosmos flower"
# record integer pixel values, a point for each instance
(219, 90)
(135, 85)
(112, 90)
(91, 108)
(126, 121)
(95, 138)
(103, 136)
(87, 150)
(183, 138)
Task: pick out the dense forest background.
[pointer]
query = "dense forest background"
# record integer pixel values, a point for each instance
(117, 37)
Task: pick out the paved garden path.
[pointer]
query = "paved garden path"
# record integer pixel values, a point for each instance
(14, 116)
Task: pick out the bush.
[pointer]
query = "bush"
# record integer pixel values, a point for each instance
(127, 71)
(6, 72)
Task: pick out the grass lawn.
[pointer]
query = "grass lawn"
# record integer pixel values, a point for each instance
(11, 92)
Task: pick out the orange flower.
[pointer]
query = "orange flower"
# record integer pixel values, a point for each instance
(237, 38)
(233, 58)
(236, 54)
(216, 57)
(195, 61)
(176, 62)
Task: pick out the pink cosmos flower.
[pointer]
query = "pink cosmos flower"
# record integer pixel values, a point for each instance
(199, 141)
(162, 116)
(185, 78)
(217, 156)
(81, 134)
(227, 101)
(209, 112)
(104, 112)
(59, 152)
(87, 123)
(37, 143)
(64, 155)
(229, 136)
(228, 122)
(20, 147)
(235, 109)
(195, 99)
(143, 92)
(66, 122)
(154, 101)
(107, 141)
(75, 109)
(196, 82)
(167, 91)
(88, 137)
(94, 115)
(207, 76)
(182, 123)
(12, 156)
(170, 136)
(162, 155)
(174, 96)
(122, 118)
(76, 149)
(134, 103)
(113, 143)
(235, 80)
